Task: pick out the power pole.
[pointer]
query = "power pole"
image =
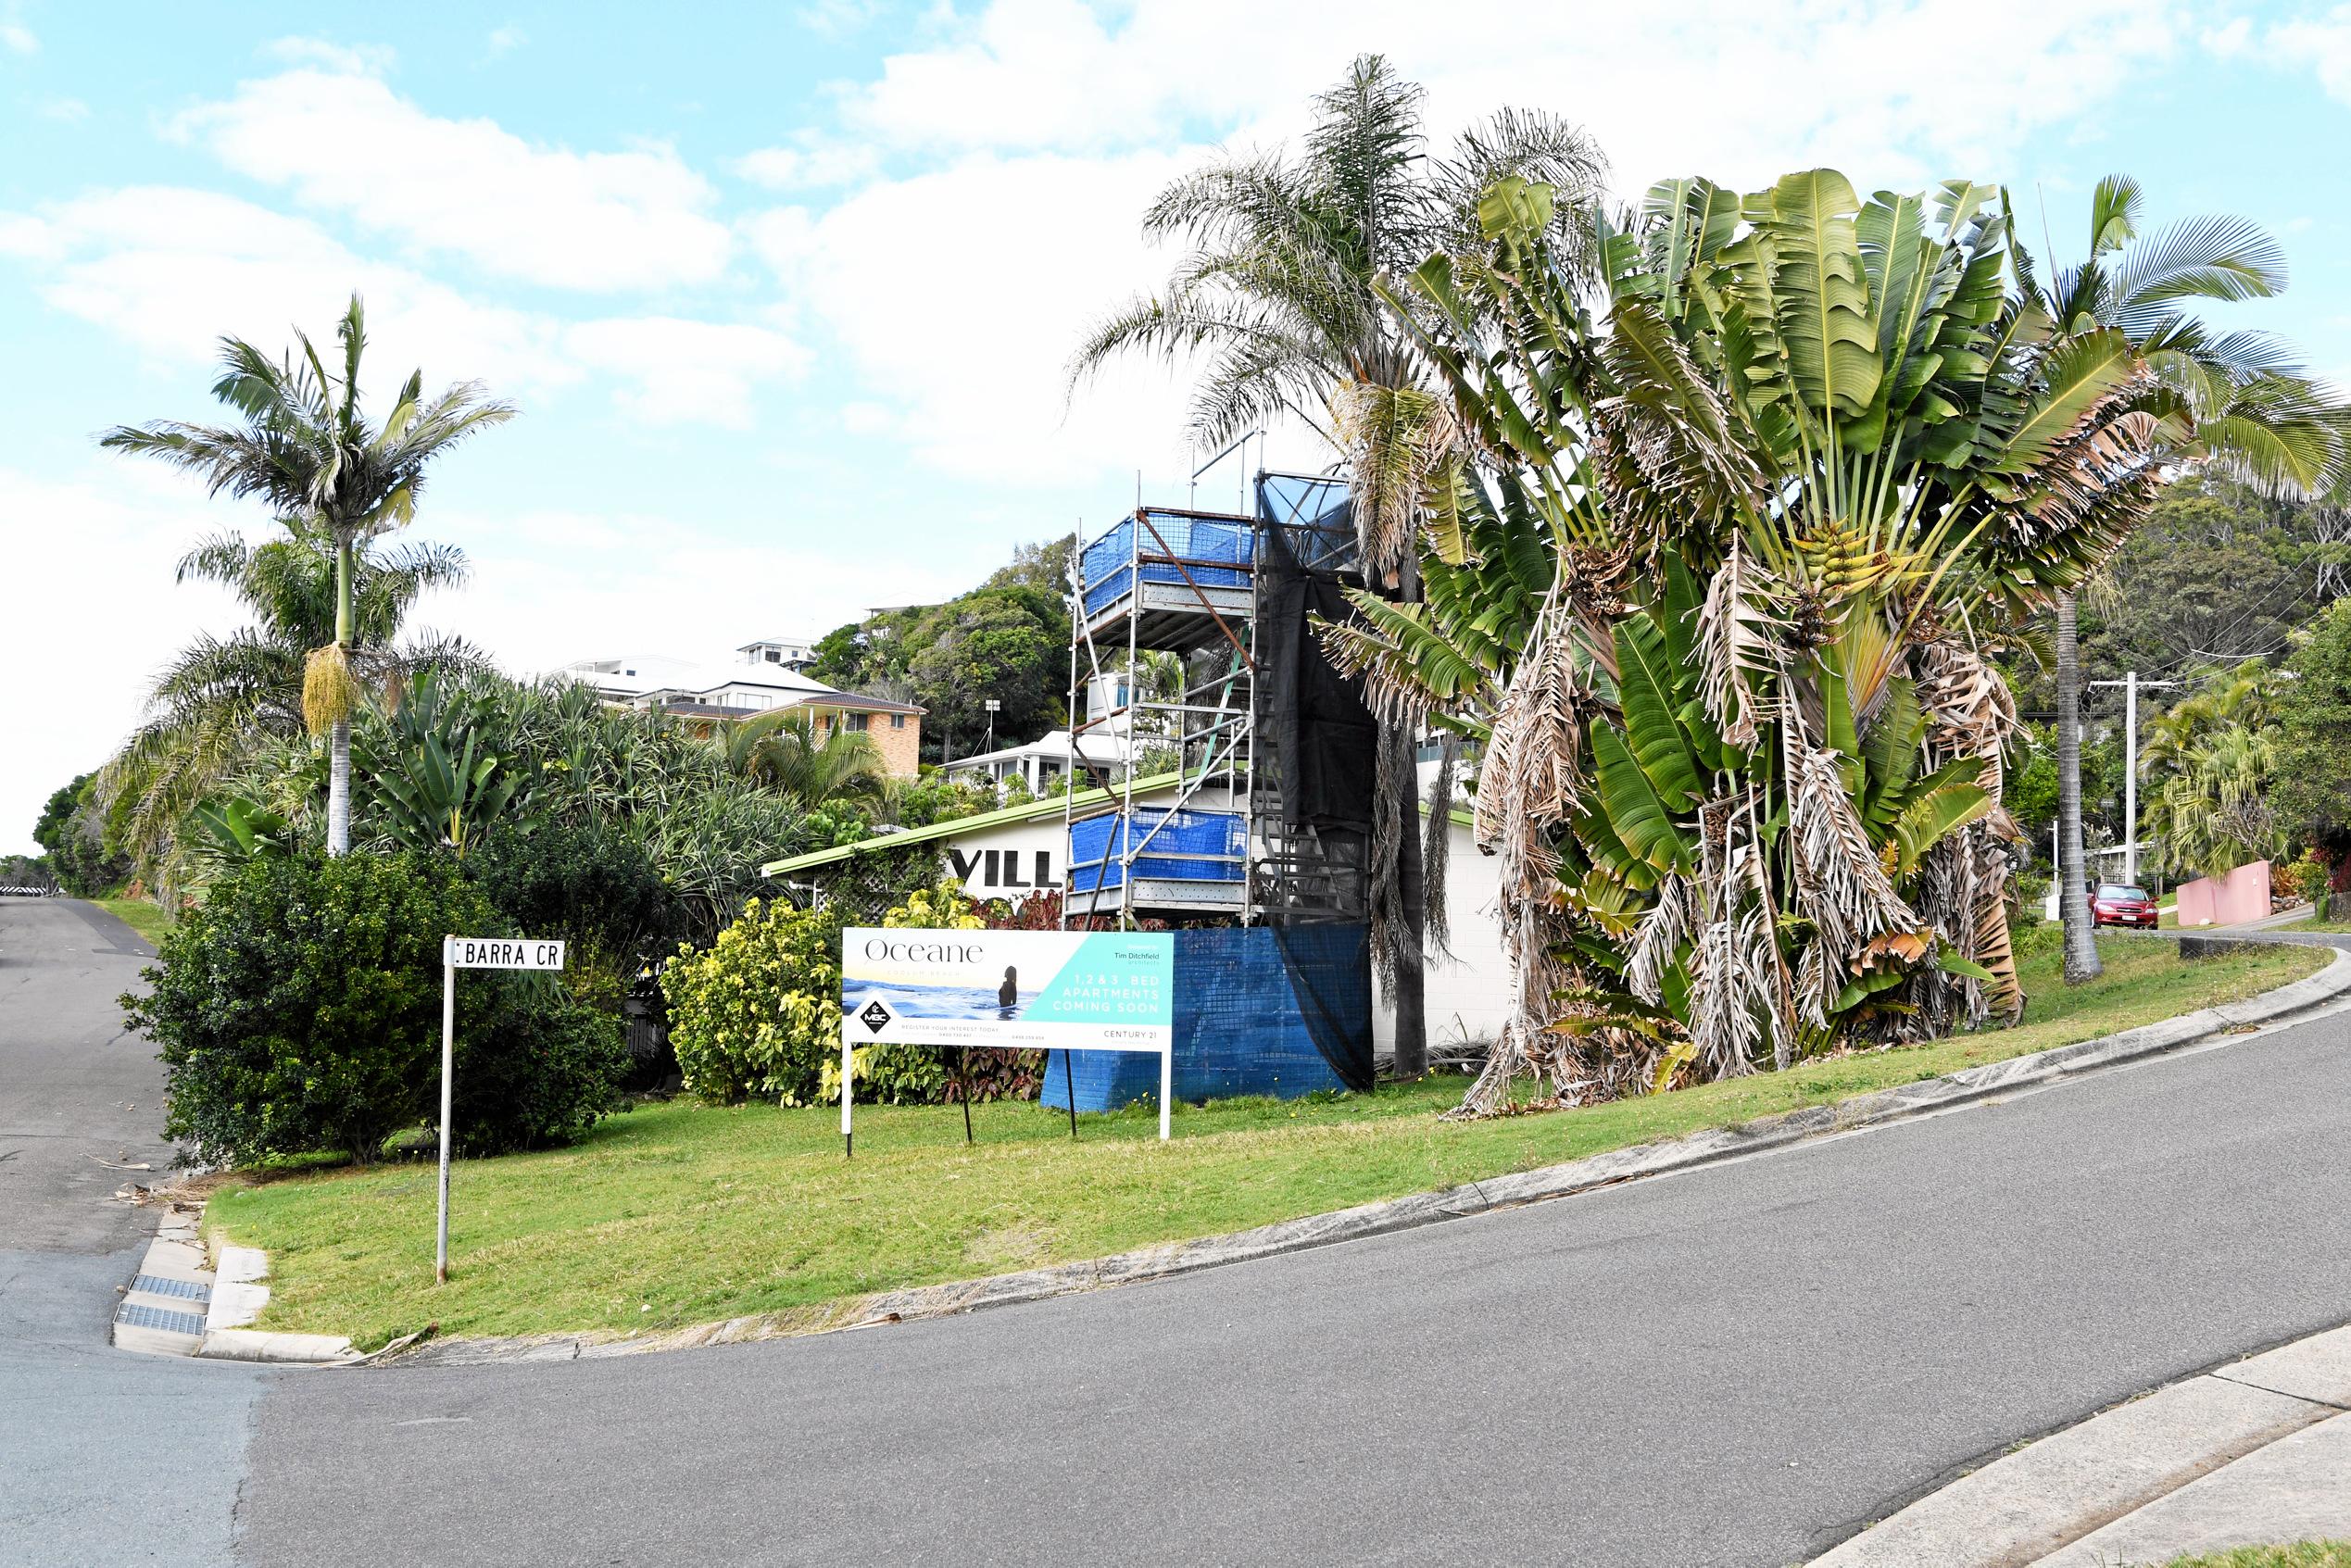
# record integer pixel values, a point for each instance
(2131, 684)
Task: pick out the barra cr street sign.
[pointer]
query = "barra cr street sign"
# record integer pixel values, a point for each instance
(500, 952)
(473, 952)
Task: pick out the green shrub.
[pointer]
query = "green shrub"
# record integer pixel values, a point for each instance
(590, 883)
(299, 1011)
(757, 1015)
(2307, 878)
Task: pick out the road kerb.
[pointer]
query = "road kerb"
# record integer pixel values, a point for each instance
(2074, 1499)
(1517, 1189)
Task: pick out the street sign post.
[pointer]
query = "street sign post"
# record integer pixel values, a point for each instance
(473, 952)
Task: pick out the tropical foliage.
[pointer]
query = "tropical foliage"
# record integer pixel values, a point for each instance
(1720, 564)
(225, 697)
(1006, 639)
(308, 451)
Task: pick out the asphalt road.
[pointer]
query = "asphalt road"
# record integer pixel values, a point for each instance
(105, 1459)
(1737, 1366)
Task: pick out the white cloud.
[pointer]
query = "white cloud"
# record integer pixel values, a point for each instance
(680, 371)
(967, 333)
(549, 587)
(16, 37)
(816, 164)
(1773, 80)
(345, 141)
(505, 40)
(172, 270)
(366, 59)
(2320, 43)
(837, 18)
(113, 531)
(1048, 125)
(68, 111)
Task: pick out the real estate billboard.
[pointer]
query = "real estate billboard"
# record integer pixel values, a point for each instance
(1032, 990)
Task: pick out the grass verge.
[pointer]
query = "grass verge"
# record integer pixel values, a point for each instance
(676, 1214)
(141, 915)
(2314, 925)
(2299, 1554)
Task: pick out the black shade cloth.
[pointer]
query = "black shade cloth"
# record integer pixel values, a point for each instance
(1323, 741)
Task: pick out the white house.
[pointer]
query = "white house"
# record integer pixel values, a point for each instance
(1041, 764)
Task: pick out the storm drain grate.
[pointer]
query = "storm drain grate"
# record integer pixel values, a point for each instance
(155, 1285)
(136, 1316)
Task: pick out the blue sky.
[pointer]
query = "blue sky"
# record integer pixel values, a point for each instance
(784, 292)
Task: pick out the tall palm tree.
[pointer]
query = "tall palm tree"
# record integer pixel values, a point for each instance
(783, 751)
(2237, 403)
(1276, 295)
(222, 698)
(308, 451)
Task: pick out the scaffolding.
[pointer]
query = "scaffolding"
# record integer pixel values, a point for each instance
(1212, 840)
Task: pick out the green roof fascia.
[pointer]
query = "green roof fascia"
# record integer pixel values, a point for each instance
(1049, 806)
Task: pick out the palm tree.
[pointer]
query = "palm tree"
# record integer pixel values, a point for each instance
(2236, 403)
(307, 450)
(2213, 809)
(1277, 293)
(783, 751)
(1742, 540)
(2081, 963)
(223, 697)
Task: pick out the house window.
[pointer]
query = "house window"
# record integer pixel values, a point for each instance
(856, 721)
(898, 720)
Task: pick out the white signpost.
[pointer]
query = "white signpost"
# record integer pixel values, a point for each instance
(1027, 990)
(473, 952)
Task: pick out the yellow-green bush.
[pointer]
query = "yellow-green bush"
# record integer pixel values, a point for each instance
(757, 1015)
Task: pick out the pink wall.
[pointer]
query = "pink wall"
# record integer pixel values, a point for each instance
(2241, 896)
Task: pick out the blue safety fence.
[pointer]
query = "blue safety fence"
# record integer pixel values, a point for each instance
(1189, 846)
(1258, 1011)
(1109, 561)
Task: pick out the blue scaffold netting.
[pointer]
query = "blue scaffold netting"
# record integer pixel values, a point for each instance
(1258, 1011)
(1176, 845)
(1109, 561)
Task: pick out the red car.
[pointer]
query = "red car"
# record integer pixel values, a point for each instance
(2116, 904)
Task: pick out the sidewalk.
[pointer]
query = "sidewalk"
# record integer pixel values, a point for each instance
(2254, 1452)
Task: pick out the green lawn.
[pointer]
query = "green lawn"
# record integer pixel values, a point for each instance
(141, 915)
(2300, 1554)
(2314, 924)
(676, 1214)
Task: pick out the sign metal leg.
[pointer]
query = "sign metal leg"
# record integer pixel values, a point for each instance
(848, 1139)
(964, 1092)
(1069, 1077)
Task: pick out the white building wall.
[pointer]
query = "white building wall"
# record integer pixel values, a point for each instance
(1467, 996)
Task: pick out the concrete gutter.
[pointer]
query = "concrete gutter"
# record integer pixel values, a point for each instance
(1712, 1146)
(180, 1306)
(2251, 1452)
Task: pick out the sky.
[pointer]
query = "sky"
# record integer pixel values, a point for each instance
(785, 294)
